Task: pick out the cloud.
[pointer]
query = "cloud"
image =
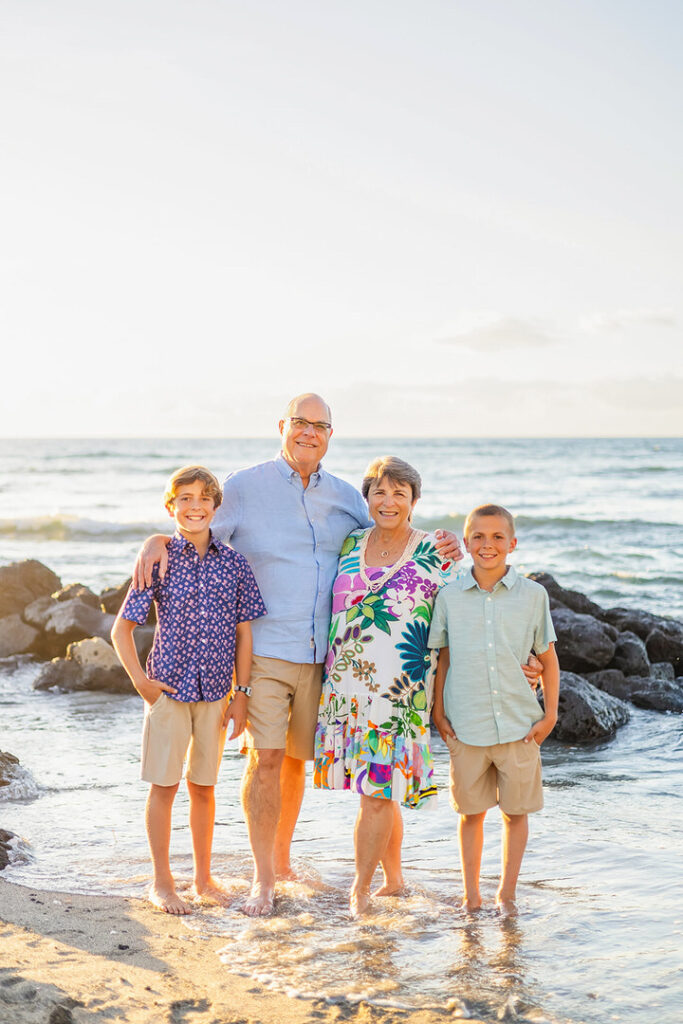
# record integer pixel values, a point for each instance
(493, 332)
(623, 319)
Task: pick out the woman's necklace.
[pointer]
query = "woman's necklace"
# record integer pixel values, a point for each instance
(409, 545)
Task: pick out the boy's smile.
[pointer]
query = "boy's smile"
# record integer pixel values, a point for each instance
(489, 541)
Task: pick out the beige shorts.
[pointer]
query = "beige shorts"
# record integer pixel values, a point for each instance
(507, 774)
(170, 728)
(283, 708)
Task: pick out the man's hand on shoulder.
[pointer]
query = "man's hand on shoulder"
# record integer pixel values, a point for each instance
(151, 552)
(448, 546)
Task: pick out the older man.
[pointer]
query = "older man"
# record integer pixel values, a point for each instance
(289, 518)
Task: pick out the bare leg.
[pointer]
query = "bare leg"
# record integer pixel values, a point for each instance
(471, 837)
(373, 828)
(292, 783)
(514, 840)
(158, 822)
(202, 819)
(261, 804)
(391, 860)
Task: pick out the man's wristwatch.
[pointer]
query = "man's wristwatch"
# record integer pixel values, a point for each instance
(242, 689)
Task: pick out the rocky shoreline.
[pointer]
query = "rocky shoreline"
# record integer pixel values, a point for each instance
(611, 659)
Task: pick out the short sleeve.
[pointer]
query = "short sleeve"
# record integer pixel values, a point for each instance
(544, 632)
(249, 601)
(227, 517)
(137, 603)
(438, 631)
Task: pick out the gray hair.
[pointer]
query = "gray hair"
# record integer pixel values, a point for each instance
(292, 404)
(398, 471)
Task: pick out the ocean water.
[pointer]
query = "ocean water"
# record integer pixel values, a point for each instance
(600, 934)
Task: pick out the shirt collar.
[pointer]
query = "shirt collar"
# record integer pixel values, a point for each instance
(508, 580)
(181, 543)
(288, 473)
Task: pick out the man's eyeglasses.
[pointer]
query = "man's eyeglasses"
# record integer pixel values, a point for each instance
(300, 423)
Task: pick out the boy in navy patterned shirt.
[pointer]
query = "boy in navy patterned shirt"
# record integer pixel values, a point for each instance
(204, 606)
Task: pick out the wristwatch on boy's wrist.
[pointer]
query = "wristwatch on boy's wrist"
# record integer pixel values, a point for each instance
(242, 689)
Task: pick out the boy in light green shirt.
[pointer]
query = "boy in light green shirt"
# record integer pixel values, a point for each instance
(486, 625)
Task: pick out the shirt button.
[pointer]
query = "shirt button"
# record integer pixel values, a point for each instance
(495, 691)
(498, 713)
(493, 668)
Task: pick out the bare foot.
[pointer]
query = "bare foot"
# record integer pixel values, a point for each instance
(506, 908)
(392, 890)
(169, 901)
(212, 892)
(471, 906)
(359, 902)
(260, 902)
(287, 874)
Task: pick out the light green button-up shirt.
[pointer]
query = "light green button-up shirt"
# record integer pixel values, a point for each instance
(490, 635)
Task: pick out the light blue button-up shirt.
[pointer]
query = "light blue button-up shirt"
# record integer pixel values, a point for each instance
(490, 635)
(291, 538)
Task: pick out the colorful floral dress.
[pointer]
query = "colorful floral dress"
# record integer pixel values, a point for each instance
(373, 727)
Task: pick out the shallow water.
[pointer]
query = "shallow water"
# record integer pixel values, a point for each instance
(599, 936)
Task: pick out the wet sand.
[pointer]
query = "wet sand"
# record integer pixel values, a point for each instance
(69, 958)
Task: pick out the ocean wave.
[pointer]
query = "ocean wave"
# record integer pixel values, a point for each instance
(455, 521)
(20, 788)
(70, 528)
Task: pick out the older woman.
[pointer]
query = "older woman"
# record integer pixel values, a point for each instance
(373, 727)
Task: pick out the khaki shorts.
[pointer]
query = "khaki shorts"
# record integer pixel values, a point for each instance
(170, 728)
(283, 708)
(507, 774)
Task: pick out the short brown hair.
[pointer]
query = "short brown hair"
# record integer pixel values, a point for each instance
(188, 475)
(398, 471)
(489, 510)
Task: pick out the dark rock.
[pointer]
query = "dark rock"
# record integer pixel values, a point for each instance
(636, 621)
(651, 693)
(68, 675)
(567, 598)
(630, 655)
(5, 846)
(666, 644)
(586, 714)
(584, 644)
(22, 582)
(73, 590)
(15, 636)
(662, 670)
(9, 765)
(65, 622)
(111, 599)
(37, 613)
(606, 678)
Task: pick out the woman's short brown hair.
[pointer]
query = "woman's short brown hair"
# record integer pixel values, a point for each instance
(398, 471)
(188, 475)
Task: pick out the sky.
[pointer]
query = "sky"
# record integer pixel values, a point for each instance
(450, 218)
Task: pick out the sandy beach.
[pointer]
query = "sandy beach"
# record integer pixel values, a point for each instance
(69, 958)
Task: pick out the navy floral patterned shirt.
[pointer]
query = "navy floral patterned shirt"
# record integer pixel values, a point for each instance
(199, 603)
